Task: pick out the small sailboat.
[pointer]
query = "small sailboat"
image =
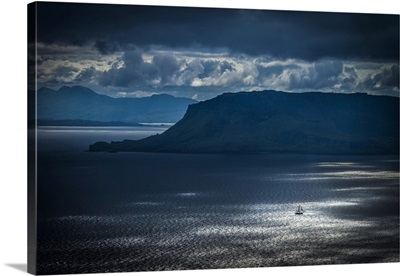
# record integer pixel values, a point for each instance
(299, 210)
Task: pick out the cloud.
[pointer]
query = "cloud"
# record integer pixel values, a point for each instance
(87, 75)
(209, 66)
(386, 78)
(283, 34)
(106, 47)
(328, 68)
(298, 75)
(205, 75)
(349, 79)
(133, 72)
(167, 65)
(59, 65)
(204, 52)
(236, 73)
(59, 73)
(389, 77)
(191, 70)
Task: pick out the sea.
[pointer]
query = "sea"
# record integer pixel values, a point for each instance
(135, 211)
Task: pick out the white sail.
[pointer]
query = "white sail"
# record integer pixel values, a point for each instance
(299, 210)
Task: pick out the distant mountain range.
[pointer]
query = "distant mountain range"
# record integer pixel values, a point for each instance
(270, 121)
(79, 104)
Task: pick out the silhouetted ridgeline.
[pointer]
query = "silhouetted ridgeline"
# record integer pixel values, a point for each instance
(270, 121)
(77, 104)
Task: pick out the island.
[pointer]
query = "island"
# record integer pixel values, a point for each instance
(278, 122)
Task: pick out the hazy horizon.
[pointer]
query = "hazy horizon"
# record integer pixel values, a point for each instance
(138, 95)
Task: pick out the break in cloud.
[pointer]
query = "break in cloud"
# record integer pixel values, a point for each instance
(138, 50)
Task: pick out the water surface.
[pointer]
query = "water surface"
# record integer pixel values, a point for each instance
(106, 212)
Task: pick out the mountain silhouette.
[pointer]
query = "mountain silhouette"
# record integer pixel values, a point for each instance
(270, 121)
(81, 103)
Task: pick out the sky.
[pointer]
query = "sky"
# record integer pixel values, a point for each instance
(137, 51)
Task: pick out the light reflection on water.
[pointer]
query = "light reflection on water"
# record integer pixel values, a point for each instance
(219, 232)
(342, 165)
(348, 174)
(238, 235)
(361, 189)
(217, 214)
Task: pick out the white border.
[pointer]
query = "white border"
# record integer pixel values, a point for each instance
(13, 112)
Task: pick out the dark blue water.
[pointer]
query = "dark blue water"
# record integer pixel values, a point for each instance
(105, 212)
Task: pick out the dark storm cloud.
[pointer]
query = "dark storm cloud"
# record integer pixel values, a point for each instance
(225, 66)
(393, 77)
(68, 71)
(87, 75)
(350, 79)
(310, 36)
(134, 72)
(192, 70)
(321, 75)
(167, 65)
(387, 78)
(209, 67)
(274, 70)
(106, 47)
(60, 73)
